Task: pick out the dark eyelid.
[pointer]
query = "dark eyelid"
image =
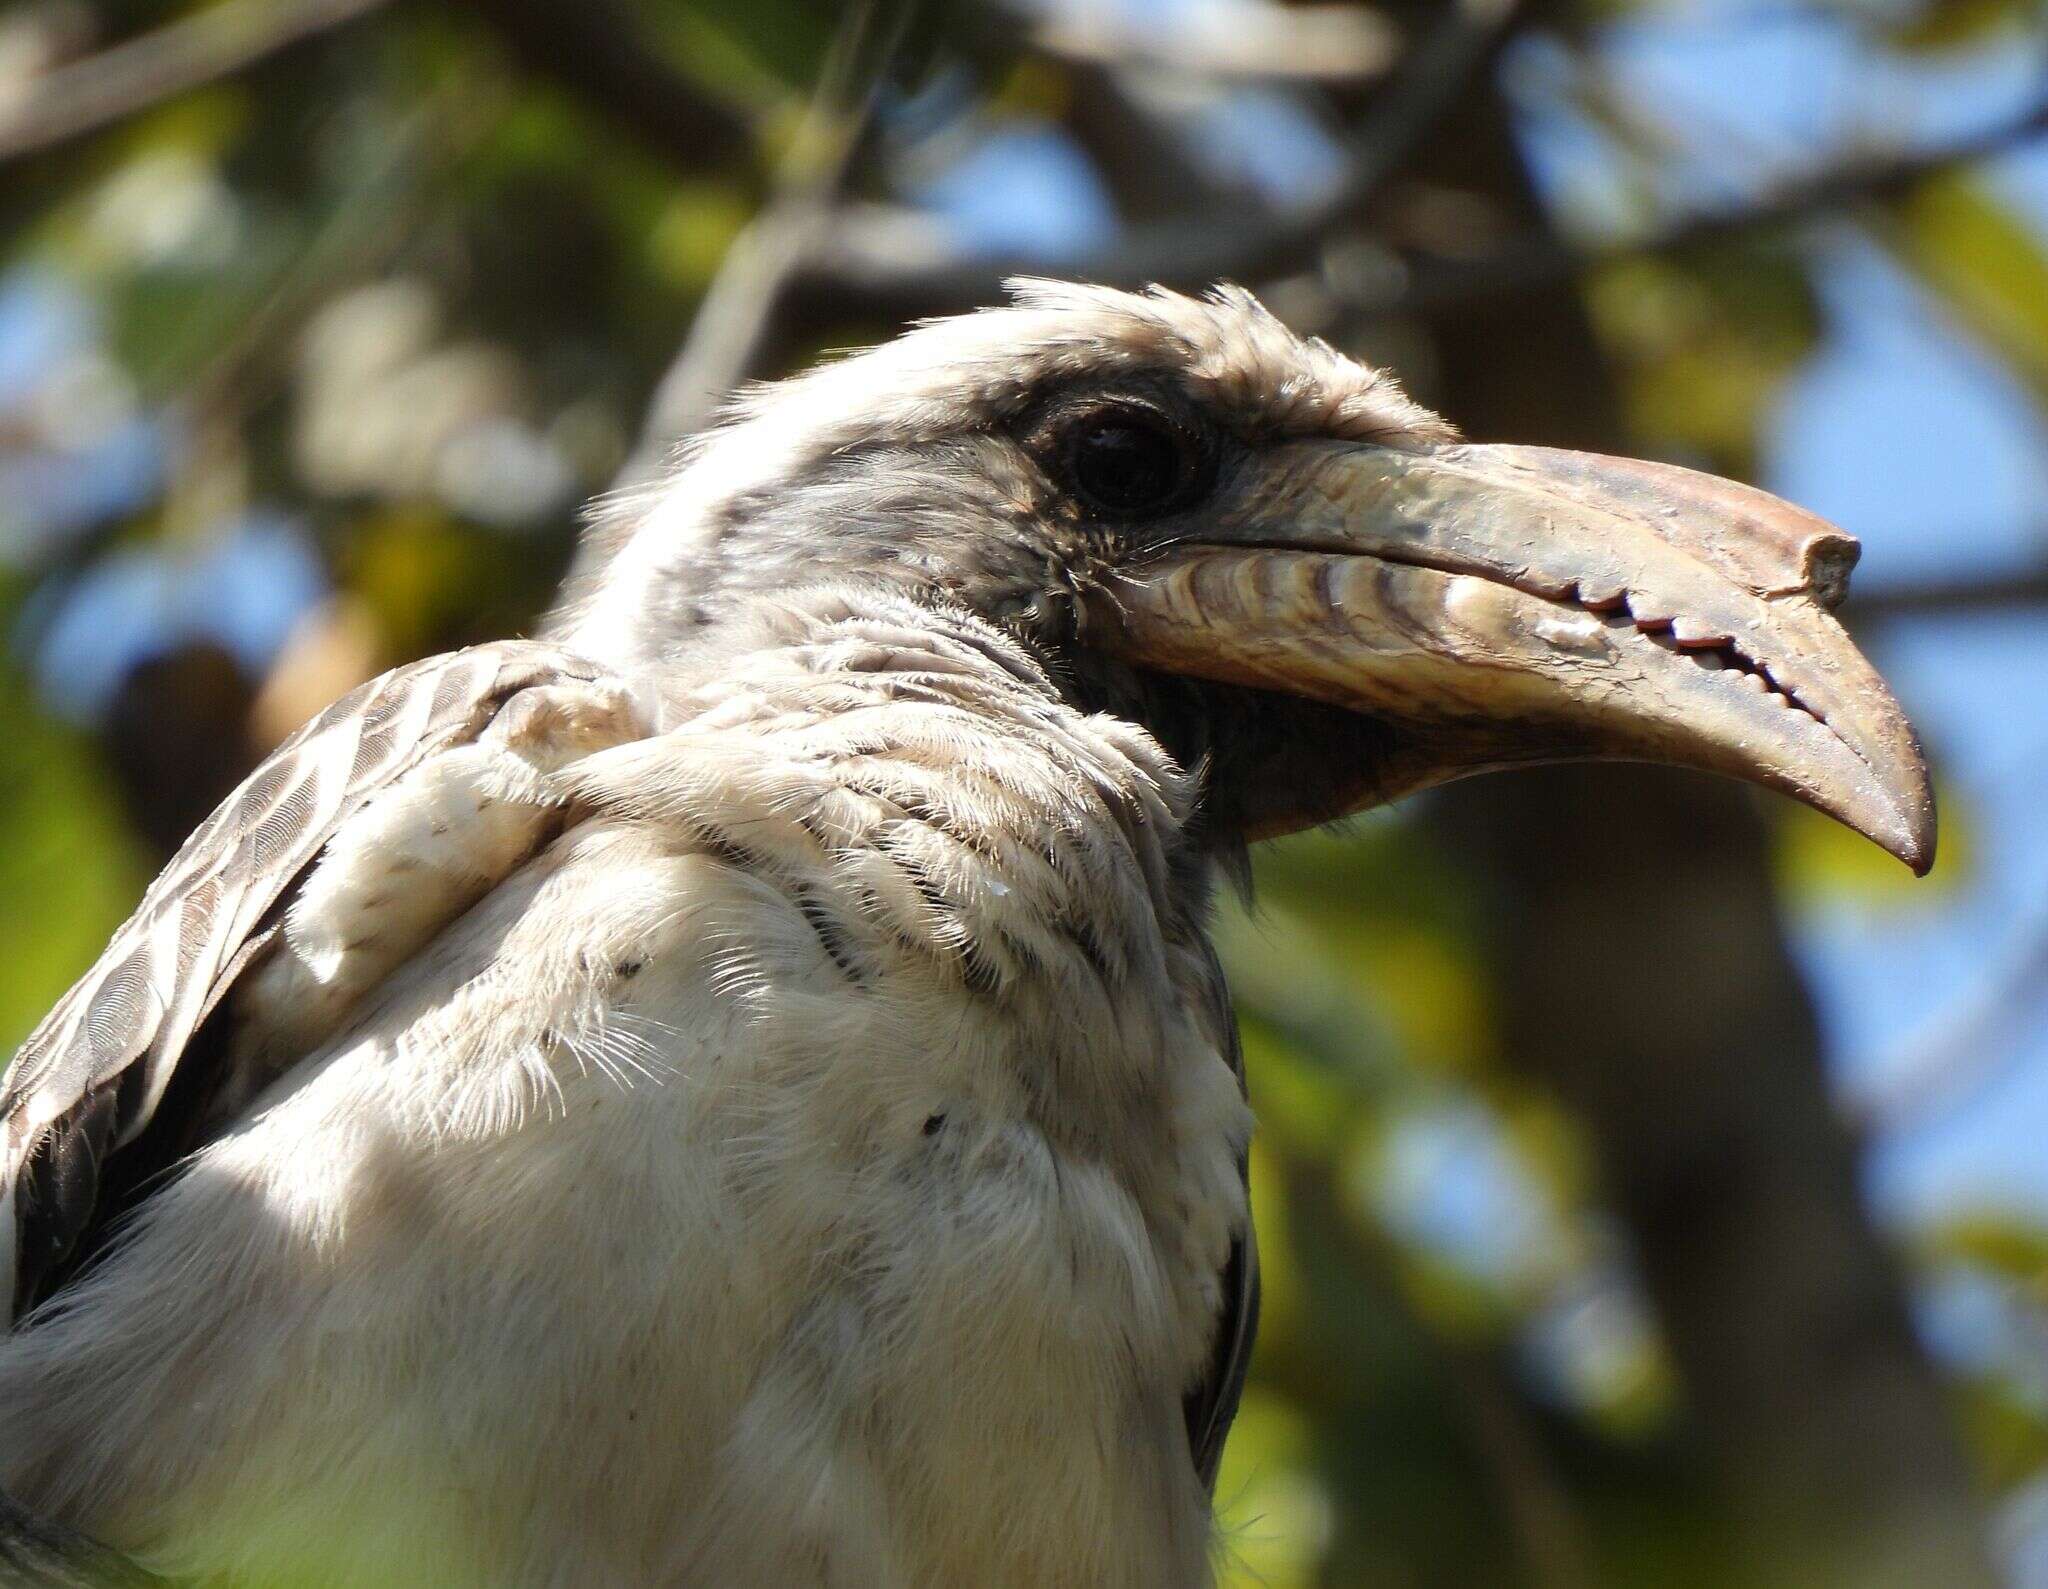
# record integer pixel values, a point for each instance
(1136, 409)
(1054, 413)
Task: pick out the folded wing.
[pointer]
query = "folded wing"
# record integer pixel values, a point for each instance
(126, 1073)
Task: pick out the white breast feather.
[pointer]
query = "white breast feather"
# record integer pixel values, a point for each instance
(810, 1143)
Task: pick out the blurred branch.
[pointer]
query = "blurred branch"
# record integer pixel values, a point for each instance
(1146, 163)
(1540, 258)
(599, 53)
(883, 262)
(387, 195)
(1987, 593)
(732, 325)
(129, 78)
(891, 262)
(733, 322)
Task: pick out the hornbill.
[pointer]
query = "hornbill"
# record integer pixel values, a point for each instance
(739, 1092)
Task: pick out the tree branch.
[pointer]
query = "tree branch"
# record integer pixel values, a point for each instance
(892, 264)
(863, 268)
(131, 77)
(1686, 1044)
(1940, 598)
(1537, 260)
(732, 324)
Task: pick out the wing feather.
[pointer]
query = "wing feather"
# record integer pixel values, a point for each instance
(1211, 1406)
(90, 1078)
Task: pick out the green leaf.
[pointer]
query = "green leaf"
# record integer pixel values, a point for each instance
(1959, 24)
(1984, 262)
(2012, 1248)
(2006, 1432)
(1702, 343)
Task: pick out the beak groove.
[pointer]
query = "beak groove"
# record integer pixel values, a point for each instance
(1508, 605)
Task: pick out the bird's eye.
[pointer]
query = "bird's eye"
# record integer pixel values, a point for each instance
(1128, 465)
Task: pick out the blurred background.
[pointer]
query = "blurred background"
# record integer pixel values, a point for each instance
(1653, 1184)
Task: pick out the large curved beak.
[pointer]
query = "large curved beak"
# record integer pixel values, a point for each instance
(1504, 605)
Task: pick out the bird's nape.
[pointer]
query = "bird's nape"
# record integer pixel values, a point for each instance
(1500, 606)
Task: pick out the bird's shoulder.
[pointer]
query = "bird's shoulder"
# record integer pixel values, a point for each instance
(357, 838)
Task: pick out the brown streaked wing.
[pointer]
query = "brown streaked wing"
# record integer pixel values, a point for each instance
(90, 1077)
(1211, 1406)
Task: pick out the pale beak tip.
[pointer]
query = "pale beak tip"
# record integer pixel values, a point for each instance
(1908, 827)
(1918, 849)
(1877, 784)
(1915, 849)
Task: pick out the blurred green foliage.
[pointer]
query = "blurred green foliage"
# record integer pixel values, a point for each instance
(1989, 266)
(70, 869)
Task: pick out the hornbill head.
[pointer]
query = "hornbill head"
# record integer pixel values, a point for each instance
(1287, 570)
